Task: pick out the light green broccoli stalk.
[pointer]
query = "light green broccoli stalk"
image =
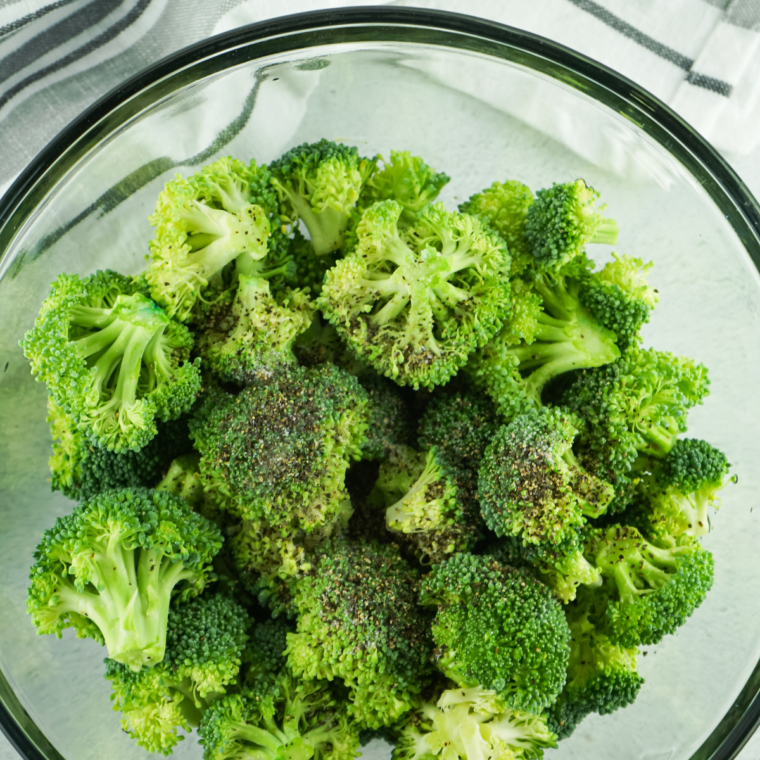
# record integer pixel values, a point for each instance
(563, 220)
(112, 359)
(204, 645)
(415, 304)
(655, 585)
(284, 719)
(473, 724)
(319, 183)
(183, 479)
(110, 568)
(498, 628)
(505, 205)
(203, 223)
(358, 621)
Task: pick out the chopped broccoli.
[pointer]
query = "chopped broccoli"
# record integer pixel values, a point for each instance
(473, 724)
(288, 719)
(497, 627)
(422, 504)
(505, 205)
(309, 269)
(388, 417)
(562, 220)
(683, 487)
(359, 622)
(111, 359)
(280, 448)
(319, 183)
(203, 223)
(183, 479)
(601, 676)
(416, 303)
(620, 297)
(81, 469)
(111, 567)
(264, 658)
(655, 584)
(255, 333)
(204, 643)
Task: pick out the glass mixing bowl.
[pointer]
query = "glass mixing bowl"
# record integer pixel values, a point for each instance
(482, 102)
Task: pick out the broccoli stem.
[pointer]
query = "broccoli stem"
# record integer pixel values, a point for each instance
(416, 512)
(326, 227)
(606, 233)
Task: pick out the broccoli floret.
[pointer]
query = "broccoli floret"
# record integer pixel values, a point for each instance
(416, 303)
(111, 567)
(505, 205)
(633, 407)
(531, 486)
(264, 658)
(288, 719)
(255, 332)
(388, 417)
(183, 479)
(497, 627)
(319, 183)
(620, 297)
(359, 622)
(111, 359)
(309, 269)
(461, 426)
(80, 469)
(272, 556)
(655, 585)
(473, 724)
(409, 181)
(203, 223)
(562, 220)
(280, 449)
(601, 676)
(683, 487)
(422, 505)
(204, 643)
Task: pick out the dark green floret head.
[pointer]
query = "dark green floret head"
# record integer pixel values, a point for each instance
(389, 423)
(359, 622)
(280, 448)
(499, 628)
(110, 569)
(563, 220)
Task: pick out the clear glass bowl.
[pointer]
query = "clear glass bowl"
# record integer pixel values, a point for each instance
(482, 102)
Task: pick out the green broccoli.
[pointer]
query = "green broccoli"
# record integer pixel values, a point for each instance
(505, 205)
(388, 417)
(633, 408)
(473, 724)
(654, 585)
(280, 448)
(284, 719)
(601, 676)
(183, 479)
(110, 568)
(531, 486)
(562, 220)
(255, 332)
(422, 504)
(203, 223)
(80, 469)
(204, 643)
(309, 269)
(416, 303)
(620, 298)
(111, 359)
(264, 658)
(683, 487)
(359, 622)
(498, 628)
(319, 183)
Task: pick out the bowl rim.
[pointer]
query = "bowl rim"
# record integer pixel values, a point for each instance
(725, 741)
